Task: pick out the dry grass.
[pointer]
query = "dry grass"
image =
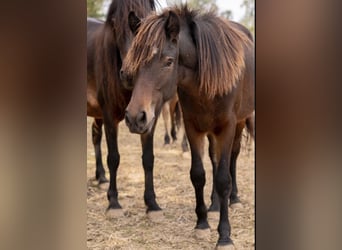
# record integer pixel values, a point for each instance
(175, 195)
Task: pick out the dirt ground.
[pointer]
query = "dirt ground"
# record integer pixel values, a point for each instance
(175, 196)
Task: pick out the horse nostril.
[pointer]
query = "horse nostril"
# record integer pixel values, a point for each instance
(141, 118)
(122, 75)
(127, 118)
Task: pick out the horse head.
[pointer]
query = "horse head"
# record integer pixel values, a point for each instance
(150, 69)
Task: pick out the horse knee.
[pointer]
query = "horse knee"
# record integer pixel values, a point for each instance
(113, 160)
(223, 185)
(197, 176)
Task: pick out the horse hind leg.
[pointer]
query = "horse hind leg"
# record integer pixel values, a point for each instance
(250, 125)
(174, 114)
(185, 146)
(165, 114)
(223, 180)
(234, 199)
(215, 203)
(96, 138)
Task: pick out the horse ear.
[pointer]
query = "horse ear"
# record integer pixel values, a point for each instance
(172, 26)
(134, 22)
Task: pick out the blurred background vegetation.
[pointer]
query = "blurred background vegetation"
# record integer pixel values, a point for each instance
(98, 9)
(95, 8)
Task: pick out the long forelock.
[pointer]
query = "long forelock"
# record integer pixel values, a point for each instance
(149, 41)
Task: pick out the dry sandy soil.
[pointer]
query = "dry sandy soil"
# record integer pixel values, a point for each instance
(175, 196)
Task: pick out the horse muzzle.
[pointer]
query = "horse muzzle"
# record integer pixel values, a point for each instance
(139, 124)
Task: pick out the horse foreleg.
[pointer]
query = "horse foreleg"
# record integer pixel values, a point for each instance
(96, 138)
(148, 162)
(234, 199)
(215, 203)
(197, 176)
(223, 180)
(113, 161)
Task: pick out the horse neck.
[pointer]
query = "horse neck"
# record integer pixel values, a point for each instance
(187, 49)
(187, 62)
(107, 65)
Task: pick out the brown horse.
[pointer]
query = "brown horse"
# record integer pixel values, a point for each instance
(107, 99)
(210, 63)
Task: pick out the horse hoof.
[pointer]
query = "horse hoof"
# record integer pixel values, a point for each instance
(155, 216)
(104, 186)
(236, 205)
(202, 234)
(225, 247)
(114, 213)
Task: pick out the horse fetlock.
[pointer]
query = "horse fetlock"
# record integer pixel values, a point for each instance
(214, 206)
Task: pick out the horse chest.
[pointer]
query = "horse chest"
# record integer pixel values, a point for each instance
(200, 114)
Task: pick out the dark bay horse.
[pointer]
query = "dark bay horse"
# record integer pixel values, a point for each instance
(107, 99)
(210, 63)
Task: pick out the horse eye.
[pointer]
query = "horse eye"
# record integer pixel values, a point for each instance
(169, 62)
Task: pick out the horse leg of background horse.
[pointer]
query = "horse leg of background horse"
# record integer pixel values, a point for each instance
(250, 124)
(97, 136)
(148, 162)
(197, 176)
(173, 106)
(178, 120)
(223, 179)
(113, 161)
(234, 199)
(215, 203)
(165, 114)
(185, 147)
